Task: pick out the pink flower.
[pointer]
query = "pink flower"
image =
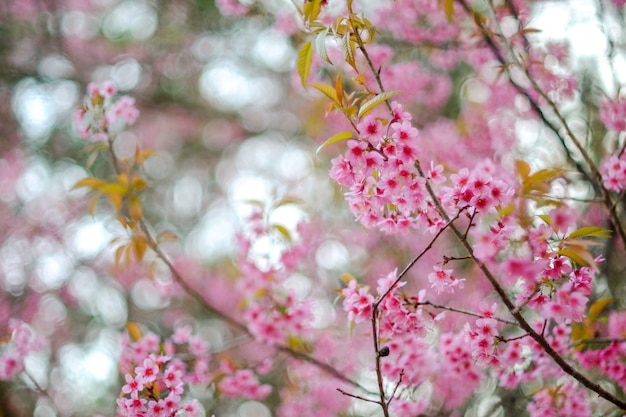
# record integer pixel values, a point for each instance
(148, 372)
(357, 302)
(133, 384)
(442, 280)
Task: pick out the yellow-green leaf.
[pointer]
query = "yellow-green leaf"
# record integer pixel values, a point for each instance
(546, 218)
(166, 235)
(88, 182)
(305, 56)
(347, 47)
(347, 278)
(288, 200)
(334, 139)
(578, 255)
(581, 331)
(590, 231)
(134, 208)
(339, 90)
(311, 10)
(547, 174)
(328, 91)
(283, 231)
(596, 308)
(373, 102)
(140, 245)
(133, 331)
(523, 169)
(448, 8)
(320, 45)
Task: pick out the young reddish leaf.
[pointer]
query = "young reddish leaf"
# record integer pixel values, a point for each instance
(334, 139)
(305, 56)
(373, 102)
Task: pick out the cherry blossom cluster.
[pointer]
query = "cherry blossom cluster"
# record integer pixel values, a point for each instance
(21, 342)
(610, 357)
(156, 373)
(613, 170)
(417, 22)
(613, 114)
(103, 113)
(385, 189)
(566, 399)
(271, 310)
(477, 190)
(407, 332)
(243, 382)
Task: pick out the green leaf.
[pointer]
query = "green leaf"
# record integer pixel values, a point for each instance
(373, 102)
(334, 139)
(305, 56)
(590, 231)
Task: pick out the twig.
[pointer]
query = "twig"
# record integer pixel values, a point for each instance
(358, 397)
(466, 312)
(393, 394)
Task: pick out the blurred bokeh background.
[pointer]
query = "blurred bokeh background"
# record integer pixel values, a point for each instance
(233, 131)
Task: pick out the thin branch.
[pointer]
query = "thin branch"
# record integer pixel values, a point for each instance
(466, 312)
(598, 340)
(190, 291)
(414, 261)
(393, 394)
(358, 397)
(595, 178)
